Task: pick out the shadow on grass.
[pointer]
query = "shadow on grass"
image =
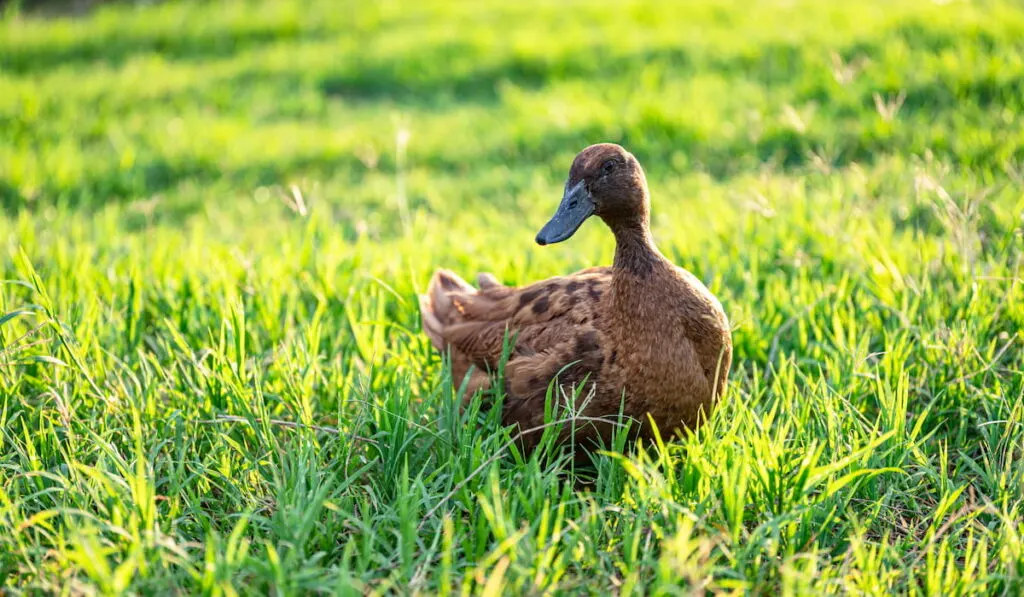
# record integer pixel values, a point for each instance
(419, 79)
(650, 141)
(121, 46)
(155, 176)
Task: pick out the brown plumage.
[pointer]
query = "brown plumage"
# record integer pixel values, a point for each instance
(643, 333)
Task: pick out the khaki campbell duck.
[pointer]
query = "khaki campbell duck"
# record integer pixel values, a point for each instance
(643, 334)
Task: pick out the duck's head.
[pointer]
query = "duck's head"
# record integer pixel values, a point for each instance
(604, 180)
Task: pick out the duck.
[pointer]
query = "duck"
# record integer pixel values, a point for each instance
(642, 339)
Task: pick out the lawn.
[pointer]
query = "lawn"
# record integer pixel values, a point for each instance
(215, 218)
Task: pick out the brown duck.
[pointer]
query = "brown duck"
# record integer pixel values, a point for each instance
(642, 334)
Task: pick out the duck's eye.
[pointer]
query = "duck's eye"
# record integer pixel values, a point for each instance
(607, 167)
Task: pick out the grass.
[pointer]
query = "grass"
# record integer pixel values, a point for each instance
(215, 217)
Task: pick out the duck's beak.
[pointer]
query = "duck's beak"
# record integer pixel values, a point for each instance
(577, 205)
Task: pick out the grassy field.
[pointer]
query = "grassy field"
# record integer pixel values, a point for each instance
(215, 218)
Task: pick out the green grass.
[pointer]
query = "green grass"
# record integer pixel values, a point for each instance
(209, 385)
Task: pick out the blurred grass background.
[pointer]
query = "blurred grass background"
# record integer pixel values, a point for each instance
(215, 217)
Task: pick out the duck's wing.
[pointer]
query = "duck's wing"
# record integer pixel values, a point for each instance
(552, 325)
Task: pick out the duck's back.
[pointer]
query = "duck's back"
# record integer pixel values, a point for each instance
(552, 328)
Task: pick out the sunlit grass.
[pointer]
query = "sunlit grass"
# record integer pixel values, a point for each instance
(216, 217)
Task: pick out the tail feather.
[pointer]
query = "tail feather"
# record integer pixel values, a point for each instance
(450, 281)
(431, 325)
(437, 307)
(485, 280)
(447, 307)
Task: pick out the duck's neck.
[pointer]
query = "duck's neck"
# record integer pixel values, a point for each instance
(634, 247)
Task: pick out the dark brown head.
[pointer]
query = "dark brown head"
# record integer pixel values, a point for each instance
(605, 180)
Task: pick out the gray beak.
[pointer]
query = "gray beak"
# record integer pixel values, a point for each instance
(576, 206)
